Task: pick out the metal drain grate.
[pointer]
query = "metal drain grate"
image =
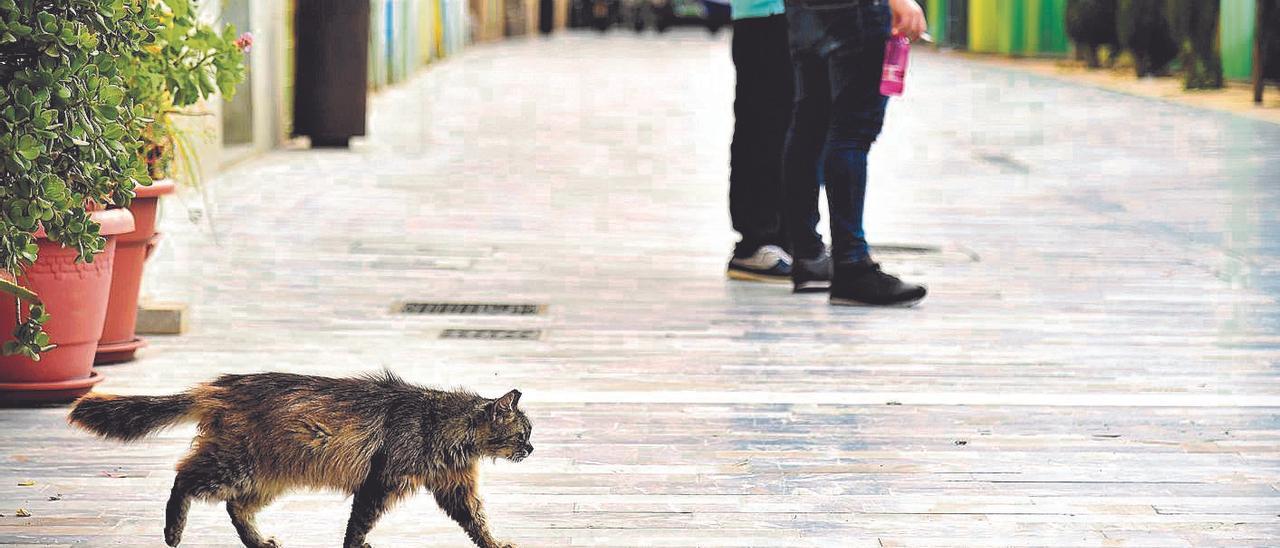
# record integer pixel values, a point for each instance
(470, 309)
(493, 334)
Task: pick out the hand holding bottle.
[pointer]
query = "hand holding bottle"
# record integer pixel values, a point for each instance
(908, 18)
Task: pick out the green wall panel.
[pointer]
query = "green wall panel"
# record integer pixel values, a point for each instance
(937, 12)
(1023, 27)
(1004, 24)
(984, 26)
(1235, 32)
(1015, 24)
(1053, 27)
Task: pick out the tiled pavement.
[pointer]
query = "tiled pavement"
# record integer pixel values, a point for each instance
(1096, 365)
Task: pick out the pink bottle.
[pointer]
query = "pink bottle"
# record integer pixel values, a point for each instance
(895, 65)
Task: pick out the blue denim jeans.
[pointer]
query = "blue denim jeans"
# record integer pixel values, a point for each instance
(837, 52)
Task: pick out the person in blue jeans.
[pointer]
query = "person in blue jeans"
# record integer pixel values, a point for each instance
(837, 52)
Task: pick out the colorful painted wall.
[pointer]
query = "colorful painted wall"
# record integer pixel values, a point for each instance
(1038, 28)
(396, 38)
(407, 34)
(1018, 27)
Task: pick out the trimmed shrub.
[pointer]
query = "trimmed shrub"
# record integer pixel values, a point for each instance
(1195, 23)
(1092, 24)
(1144, 30)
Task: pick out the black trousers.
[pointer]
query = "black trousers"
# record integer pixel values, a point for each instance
(762, 114)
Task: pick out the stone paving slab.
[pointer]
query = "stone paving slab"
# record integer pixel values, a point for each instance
(1096, 364)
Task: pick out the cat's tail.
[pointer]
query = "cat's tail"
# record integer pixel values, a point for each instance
(127, 418)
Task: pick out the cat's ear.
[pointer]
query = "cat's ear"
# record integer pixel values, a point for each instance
(504, 405)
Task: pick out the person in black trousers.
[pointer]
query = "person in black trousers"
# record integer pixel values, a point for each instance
(762, 114)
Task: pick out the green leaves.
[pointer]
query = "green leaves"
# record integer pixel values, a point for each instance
(70, 132)
(46, 22)
(55, 189)
(29, 147)
(29, 338)
(185, 61)
(43, 120)
(193, 60)
(92, 79)
(19, 30)
(18, 291)
(88, 40)
(111, 95)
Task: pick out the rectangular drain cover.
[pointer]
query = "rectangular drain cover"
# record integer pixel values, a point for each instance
(493, 334)
(471, 309)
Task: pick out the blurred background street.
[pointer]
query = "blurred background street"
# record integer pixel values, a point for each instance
(1096, 363)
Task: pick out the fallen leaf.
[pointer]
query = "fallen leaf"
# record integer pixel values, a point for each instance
(56, 497)
(962, 442)
(27, 483)
(22, 513)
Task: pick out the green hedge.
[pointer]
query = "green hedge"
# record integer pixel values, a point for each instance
(1195, 23)
(1091, 24)
(1144, 30)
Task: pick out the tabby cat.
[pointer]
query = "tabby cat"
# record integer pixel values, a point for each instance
(376, 437)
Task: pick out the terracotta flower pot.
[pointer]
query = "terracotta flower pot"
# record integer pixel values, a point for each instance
(75, 295)
(119, 342)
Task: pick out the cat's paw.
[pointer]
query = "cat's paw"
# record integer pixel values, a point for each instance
(172, 536)
(270, 543)
(505, 545)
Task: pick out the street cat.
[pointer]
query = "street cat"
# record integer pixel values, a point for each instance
(376, 437)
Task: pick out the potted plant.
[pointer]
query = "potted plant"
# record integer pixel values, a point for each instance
(188, 62)
(68, 144)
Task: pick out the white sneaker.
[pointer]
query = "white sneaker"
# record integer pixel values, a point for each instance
(768, 264)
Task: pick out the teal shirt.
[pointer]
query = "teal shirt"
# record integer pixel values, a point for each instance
(746, 9)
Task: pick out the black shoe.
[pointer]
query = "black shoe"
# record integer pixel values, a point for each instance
(864, 284)
(768, 264)
(811, 275)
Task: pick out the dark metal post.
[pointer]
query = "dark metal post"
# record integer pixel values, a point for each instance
(332, 54)
(1259, 63)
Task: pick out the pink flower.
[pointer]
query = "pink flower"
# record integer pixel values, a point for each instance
(244, 42)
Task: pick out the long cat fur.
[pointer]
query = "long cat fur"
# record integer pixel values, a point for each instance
(377, 437)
